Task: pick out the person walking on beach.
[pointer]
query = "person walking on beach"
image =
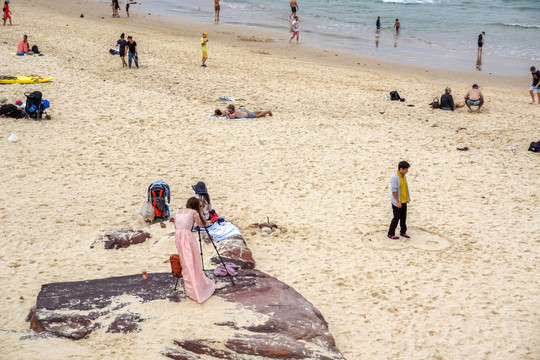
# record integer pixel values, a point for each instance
(294, 25)
(122, 43)
(131, 47)
(115, 6)
(378, 24)
(127, 8)
(197, 285)
(204, 40)
(216, 10)
(294, 8)
(474, 97)
(6, 13)
(397, 25)
(400, 198)
(535, 84)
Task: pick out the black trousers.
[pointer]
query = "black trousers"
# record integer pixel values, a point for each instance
(400, 215)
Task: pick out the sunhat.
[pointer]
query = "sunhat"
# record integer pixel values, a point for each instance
(199, 188)
(3, 100)
(205, 34)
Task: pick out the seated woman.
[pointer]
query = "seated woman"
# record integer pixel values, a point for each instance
(447, 101)
(197, 285)
(23, 45)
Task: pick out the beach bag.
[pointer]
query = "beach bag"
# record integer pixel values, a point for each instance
(395, 96)
(114, 52)
(176, 265)
(535, 146)
(147, 211)
(435, 104)
(35, 49)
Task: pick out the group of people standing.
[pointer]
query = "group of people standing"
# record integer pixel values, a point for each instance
(128, 46)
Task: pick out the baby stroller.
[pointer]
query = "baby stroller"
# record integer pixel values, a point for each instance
(159, 195)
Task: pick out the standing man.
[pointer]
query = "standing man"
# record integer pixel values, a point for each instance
(294, 7)
(481, 43)
(204, 40)
(400, 198)
(131, 47)
(535, 84)
(216, 10)
(378, 24)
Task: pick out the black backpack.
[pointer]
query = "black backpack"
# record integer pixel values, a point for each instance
(395, 96)
(35, 49)
(535, 146)
(34, 109)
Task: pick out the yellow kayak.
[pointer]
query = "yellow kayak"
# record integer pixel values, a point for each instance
(24, 79)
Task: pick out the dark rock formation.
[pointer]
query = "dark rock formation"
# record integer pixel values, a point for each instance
(122, 238)
(233, 249)
(294, 329)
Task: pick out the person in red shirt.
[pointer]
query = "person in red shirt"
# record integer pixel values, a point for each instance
(7, 13)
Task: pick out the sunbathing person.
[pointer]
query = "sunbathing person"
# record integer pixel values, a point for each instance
(447, 101)
(232, 113)
(11, 110)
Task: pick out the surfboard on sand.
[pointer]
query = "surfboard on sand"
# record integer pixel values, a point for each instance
(24, 79)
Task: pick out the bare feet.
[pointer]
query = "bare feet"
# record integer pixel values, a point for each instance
(270, 113)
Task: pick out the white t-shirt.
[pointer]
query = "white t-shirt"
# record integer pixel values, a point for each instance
(295, 25)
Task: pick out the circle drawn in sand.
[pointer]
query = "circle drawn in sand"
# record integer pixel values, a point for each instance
(420, 239)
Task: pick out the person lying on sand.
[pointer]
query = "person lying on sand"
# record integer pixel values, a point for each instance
(232, 113)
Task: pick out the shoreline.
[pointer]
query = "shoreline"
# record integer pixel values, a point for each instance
(255, 38)
(386, 45)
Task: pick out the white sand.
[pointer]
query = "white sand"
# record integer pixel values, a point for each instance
(466, 285)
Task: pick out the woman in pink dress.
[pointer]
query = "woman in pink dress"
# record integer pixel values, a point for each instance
(197, 285)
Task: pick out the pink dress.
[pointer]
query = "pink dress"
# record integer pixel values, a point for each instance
(198, 286)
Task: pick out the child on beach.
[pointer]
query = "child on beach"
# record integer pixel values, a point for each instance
(204, 40)
(397, 25)
(294, 25)
(535, 84)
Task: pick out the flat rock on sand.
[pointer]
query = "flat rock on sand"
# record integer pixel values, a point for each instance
(283, 323)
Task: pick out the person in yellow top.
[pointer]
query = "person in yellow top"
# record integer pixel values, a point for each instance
(400, 198)
(204, 40)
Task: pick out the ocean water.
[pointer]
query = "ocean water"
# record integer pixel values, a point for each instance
(446, 30)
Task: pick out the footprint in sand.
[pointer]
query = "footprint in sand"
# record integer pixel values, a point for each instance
(421, 239)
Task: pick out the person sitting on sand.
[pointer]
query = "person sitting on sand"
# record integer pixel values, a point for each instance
(447, 101)
(474, 97)
(13, 110)
(23, 45)
(197, 285)
(242, 114)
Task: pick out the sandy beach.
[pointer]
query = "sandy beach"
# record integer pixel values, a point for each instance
(465, 286)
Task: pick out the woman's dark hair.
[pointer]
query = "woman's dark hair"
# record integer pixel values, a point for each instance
(195, 204)
(403, 165)
(122, 36)
(218, 112)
